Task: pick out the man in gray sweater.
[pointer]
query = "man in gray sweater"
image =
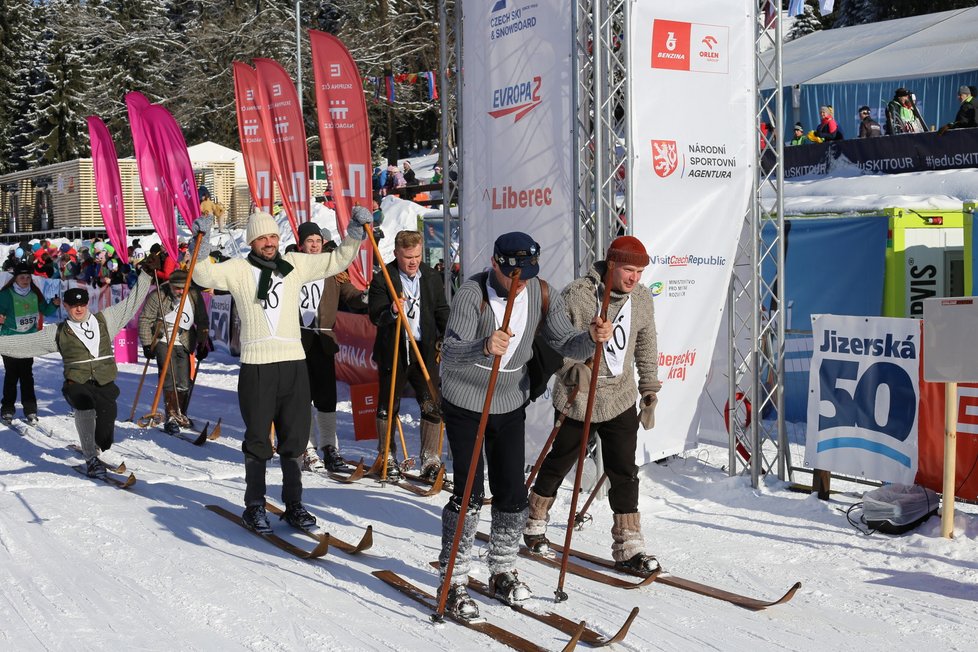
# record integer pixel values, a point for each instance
(614, 418)
(473, 337)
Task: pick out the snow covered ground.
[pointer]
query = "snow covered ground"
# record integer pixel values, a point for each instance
(85, 566)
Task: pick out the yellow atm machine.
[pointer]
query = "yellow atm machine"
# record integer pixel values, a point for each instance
(925, 257)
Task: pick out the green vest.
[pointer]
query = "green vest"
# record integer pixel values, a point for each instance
(80, 366)
(25, 318)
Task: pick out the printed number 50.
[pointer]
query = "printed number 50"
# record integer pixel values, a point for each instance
(859, 409)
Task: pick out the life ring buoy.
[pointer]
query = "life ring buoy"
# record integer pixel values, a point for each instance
(747, 407)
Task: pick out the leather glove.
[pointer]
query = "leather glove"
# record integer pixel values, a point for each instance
(575, 374)
(358, 220)
(203, 348)
(201, 225)
(148, 352)
(647, 410)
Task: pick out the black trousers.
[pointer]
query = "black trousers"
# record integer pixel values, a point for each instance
(619, 437)
(179, 363)
(18, 370)
(102, 399)
(274, 393)
(322, 373)
(408, 373)
(503, 449)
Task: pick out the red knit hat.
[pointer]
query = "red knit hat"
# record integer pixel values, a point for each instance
(627, 250)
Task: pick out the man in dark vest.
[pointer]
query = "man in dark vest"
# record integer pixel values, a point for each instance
(84, 341)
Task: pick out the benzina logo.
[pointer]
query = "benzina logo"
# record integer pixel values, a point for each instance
(518, 99)
(670, 44)
(665, 157)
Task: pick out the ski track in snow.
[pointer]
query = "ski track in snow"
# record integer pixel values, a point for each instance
(149, 568)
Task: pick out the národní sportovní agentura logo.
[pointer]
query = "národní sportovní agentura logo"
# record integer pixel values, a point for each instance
(695, 160)
(517, 99)
(665, 157)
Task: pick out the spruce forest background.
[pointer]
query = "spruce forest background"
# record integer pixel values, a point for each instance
(63, 60)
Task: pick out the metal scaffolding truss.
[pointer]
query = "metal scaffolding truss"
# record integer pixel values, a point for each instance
(449, 55)
(754, 310)
(603, 195)
(601, 133)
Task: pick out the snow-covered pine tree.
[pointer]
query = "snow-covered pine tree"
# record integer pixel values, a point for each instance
(60, 132)
(855, 12)
(807, 23)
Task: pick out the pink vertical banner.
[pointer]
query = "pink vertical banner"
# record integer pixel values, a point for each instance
(159, 200)
(173, 160)
(257, 160)
(344, 133)
(108, 185)
(285, 137)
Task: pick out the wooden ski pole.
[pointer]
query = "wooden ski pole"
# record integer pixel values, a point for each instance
(142, 379)
(551, 438)
(439, 615)
(402, 318)
(385, 452)
(400, 431)
(153, 414)
(559, 594)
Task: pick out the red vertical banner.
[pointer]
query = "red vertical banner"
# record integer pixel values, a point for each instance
(257, 161)
(930, 439)
(108, 185)
(159, 200)
(344, 134)
(285, 137)
(173, 160)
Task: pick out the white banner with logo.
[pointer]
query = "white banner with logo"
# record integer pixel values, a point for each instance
(517, 85)
(864, 393)
(693, 137)
(516, 123)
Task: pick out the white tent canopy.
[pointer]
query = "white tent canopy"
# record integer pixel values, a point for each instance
(919, 46)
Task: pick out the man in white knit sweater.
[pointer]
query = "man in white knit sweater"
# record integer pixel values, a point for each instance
(273, 386)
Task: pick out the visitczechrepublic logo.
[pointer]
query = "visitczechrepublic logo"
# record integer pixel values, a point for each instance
(517, 99)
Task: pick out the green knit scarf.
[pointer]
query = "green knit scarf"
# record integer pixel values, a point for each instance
(277, 264)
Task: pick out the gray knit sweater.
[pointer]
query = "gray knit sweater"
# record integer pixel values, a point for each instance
(616, 394)
(464, 368)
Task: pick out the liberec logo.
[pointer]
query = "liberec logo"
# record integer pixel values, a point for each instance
(673, 46)
(517, 99)
(665, 157)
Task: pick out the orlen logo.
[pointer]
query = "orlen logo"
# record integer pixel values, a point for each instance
(709, 41)
(518, 99)
(670, 44)
(665, 157)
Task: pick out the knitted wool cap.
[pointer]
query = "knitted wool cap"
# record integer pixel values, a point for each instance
(178, 278)
(260, 224)
(627, 250)
(307, 229)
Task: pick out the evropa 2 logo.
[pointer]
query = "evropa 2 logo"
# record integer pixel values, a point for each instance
(516, 99)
